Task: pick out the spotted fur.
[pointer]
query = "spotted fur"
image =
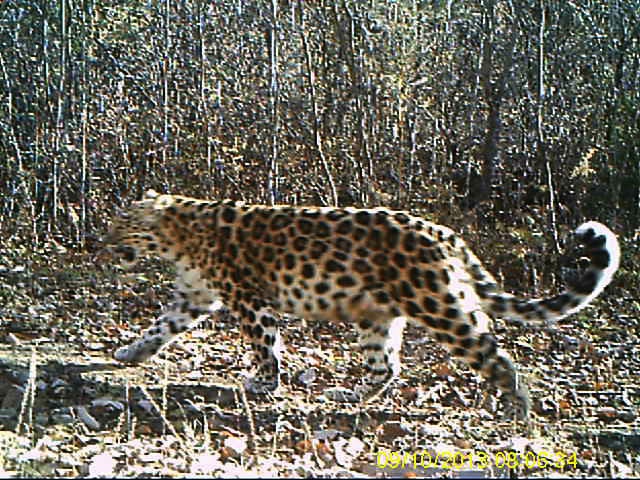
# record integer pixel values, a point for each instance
(373, 268)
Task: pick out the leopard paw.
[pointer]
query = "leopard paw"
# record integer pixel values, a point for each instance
(261, 385)
(135, 353)
(517, 404)
(342, 395)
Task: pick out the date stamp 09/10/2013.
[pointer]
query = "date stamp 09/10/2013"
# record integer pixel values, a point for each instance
(475, 460)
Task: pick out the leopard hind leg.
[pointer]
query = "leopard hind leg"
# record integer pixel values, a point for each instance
(466, 338)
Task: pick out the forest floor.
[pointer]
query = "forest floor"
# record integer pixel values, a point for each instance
(67, 409)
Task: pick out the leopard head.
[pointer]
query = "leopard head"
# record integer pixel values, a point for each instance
(134, 232)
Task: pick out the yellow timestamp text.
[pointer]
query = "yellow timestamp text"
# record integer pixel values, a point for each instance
(481, 460)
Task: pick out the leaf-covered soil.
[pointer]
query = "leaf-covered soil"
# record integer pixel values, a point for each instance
(67, 409)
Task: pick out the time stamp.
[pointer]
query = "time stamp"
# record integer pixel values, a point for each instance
(447, 460)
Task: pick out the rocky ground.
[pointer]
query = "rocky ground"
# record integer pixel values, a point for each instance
(67, 409)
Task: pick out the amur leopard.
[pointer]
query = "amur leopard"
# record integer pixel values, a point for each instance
(373, 268)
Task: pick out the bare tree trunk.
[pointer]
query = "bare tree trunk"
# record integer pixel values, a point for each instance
(205, 120)
(60, 117)
(540, 150)
(314, 112)
(274, 103)
(84, 160)
(42, 135)
(165, 90)
(360, 86)
(494, 91)
(14, 172)
(489, 150)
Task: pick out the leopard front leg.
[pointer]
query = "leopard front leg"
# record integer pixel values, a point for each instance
(259, 326)
(183, 312)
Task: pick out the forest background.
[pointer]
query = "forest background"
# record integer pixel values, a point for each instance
(524, 112)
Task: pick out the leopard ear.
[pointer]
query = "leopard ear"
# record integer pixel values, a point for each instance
(150, 194)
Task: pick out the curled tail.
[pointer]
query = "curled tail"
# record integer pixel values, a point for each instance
(603, 251)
